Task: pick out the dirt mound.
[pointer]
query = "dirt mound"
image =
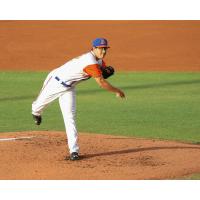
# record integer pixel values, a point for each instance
(41, 155)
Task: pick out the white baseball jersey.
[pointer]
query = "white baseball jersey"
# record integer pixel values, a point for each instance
(79, 69)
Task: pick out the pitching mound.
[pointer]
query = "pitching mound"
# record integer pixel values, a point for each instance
(41, 155)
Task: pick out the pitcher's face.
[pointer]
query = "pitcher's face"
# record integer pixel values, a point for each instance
(100, 52)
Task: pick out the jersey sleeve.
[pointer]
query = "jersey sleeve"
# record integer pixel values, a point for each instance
(93, 70)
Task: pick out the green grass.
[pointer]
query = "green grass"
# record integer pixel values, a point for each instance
(190, 177)
(158, 105)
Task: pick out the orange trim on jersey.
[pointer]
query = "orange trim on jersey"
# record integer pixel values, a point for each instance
(93, 70)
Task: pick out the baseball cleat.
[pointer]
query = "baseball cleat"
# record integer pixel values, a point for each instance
(74, 156)
(37, 119)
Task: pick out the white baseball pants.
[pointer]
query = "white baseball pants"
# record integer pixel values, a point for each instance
(51, 90)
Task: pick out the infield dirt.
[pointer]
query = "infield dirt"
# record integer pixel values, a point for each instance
(103, 157)
(135, 46)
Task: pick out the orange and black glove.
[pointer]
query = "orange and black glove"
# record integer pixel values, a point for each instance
(107, 71)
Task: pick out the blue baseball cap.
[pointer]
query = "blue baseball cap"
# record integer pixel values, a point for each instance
(100, 42)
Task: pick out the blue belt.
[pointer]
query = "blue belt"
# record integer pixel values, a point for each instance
(61, 82)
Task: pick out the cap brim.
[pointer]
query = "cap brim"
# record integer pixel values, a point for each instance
(103, 46)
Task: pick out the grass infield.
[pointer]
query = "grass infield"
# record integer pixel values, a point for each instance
(158, 105)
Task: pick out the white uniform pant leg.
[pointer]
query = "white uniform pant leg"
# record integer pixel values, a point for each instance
(68, 107)
(50, 91)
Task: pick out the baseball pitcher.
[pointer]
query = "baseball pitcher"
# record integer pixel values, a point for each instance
(61, 82)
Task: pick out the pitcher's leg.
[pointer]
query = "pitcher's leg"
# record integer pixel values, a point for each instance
(41, 102)
(68, 107)
(49, 92)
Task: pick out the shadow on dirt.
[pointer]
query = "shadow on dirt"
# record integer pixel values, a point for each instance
(87, 156)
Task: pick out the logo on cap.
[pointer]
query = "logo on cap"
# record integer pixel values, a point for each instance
(103, 42)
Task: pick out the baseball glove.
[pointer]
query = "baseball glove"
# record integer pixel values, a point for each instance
(107, 71)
